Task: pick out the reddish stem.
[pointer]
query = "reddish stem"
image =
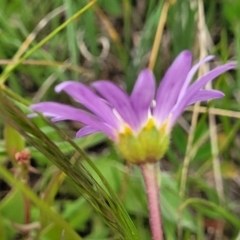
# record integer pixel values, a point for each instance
(149, 172)
(27, 207)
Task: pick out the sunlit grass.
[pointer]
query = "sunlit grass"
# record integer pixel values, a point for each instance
(94, 194)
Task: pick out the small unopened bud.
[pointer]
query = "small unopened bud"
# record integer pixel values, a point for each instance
(23, 157)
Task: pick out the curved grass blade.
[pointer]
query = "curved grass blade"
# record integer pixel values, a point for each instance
(103, 200)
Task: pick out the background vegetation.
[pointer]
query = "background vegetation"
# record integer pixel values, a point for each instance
(66, 194)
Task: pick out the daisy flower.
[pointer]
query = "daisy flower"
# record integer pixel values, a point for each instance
(140, 123)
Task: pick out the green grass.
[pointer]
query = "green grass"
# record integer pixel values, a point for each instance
(104, 198)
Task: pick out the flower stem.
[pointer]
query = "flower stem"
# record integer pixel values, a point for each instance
(149, 172)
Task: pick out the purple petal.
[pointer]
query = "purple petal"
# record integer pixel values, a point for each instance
(86, 131)
(196, 86)
(66, 112)
(171, 85)
(143, 94)
(58, 119)
(90, 100)
(205, 95)
(202, 81)
(119, 100)
(191, 75)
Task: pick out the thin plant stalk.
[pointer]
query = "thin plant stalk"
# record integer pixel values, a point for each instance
(158, 36)
(149, 172)
(27, 217)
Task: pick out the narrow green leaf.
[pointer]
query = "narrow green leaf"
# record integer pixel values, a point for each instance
(14, 142)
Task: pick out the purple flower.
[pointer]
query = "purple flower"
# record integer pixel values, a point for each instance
(115, 113)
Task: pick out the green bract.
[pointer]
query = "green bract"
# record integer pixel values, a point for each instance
(148, 146)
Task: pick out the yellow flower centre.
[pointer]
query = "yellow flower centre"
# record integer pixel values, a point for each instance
(127, 130)
(149, 145)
